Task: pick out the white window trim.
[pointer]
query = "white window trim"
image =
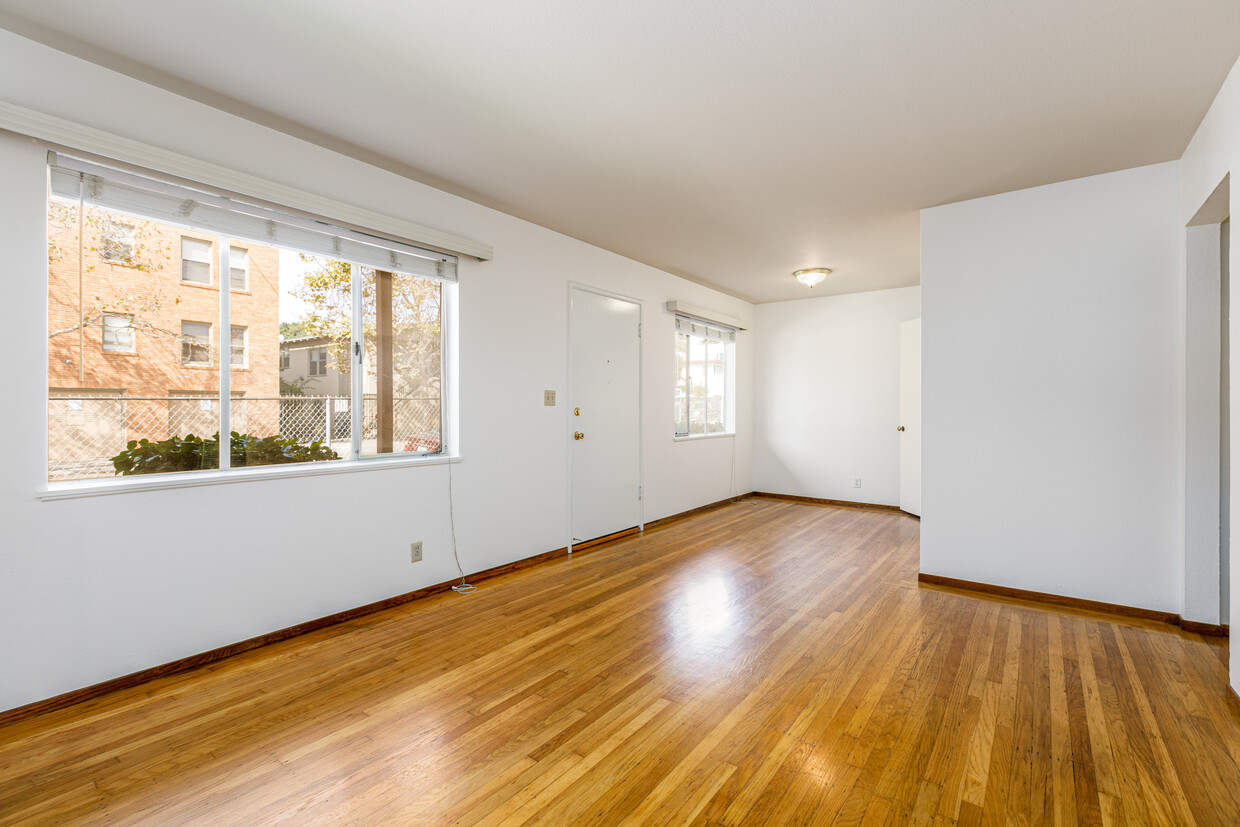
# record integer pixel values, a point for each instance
(104, 344)
(210, 356)
(245, 346)
(194, 479)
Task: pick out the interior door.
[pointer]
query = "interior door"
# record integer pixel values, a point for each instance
(604, 414)
(910, 417)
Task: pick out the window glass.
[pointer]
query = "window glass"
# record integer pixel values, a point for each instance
(195, 261)
(703, 371)
(401, 357)
(195, 343)
(237, 346)
(238, 264)
(118, 333)
(287, 321)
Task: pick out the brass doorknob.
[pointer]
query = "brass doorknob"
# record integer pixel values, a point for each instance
(578, 435)
(901, 428)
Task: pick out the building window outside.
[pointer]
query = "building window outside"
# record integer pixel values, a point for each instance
(285, 359)
(118, 333)
(318, 361)
(195, 260)
(117, 242)
(195, 343)
(237, 346)
(703, 365)
(238, 268)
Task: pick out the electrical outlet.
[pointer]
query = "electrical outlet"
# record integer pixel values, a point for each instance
(549, 398)
(415, 552)
(856, 482)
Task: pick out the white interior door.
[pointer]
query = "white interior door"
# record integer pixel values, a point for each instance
(910, 416)
(604, 414)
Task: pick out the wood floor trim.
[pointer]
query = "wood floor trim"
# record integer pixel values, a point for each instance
(185, 664)
(1064, 601)
(693, 512)
(795, 498)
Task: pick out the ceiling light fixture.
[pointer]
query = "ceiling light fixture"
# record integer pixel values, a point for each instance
(811, 276)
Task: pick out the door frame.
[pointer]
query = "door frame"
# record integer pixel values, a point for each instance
(568, 385)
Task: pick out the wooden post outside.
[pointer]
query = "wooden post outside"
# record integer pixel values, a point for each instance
(384, 403)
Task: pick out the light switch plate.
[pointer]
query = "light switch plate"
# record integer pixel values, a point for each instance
(549, 398)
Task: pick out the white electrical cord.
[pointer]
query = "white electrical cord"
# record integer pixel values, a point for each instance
(462, 587)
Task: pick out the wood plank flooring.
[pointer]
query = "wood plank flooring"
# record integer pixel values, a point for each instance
(764, 663)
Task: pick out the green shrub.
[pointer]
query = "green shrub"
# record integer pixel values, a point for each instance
(194, 453)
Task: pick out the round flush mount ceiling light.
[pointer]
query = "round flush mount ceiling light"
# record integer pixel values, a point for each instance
(811, 276)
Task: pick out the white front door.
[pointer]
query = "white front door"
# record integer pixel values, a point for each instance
(604, 414)
(910, 416)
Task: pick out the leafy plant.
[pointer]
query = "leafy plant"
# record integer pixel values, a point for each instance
(194, 453)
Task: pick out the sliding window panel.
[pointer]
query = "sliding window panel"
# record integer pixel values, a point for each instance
(133, 345)
(402, 363)
(290, 367)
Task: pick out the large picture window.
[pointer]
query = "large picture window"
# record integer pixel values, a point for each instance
(704, 372)
(325, 342)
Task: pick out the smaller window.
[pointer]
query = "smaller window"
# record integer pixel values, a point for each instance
(239, 340)
(195, 343)
(117, 241)
(318, 361)
(238, 267)
(284, 358)
(702, 395)
(195, 260)
(117, 333)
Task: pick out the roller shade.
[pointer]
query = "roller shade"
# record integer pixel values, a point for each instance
(171, 203)
(702, 330)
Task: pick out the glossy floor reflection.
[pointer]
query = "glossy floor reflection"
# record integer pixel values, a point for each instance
(763, 663)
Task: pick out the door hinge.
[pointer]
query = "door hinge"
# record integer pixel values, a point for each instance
(639, 493)
(639, 330)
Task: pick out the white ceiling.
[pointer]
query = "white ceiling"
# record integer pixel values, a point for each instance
(729, 141)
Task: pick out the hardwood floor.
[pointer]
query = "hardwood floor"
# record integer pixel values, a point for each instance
(765, 663)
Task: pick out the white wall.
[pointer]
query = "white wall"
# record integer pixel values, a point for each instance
(1213, 153)
(827, 384)
(1202, 436)
(1053, 389)
(95, 588)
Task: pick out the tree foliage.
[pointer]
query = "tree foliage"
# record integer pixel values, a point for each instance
(416, 322)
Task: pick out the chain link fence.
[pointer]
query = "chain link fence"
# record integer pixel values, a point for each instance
(85, 431)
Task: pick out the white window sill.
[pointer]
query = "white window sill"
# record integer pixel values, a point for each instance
(193, 479)
(693, 437)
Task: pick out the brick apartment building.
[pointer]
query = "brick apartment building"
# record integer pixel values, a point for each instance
(146, 361)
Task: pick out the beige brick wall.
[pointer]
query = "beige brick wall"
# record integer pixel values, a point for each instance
(149, 287)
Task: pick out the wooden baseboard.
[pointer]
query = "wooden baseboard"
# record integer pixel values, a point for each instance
(606, 538)
(1218, 630)
(1212, 629)
(692, 512)
(175, 667)
(1234, 698)
(793, 498)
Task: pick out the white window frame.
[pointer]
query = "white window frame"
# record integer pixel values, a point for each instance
(239, 254)
(312, 362)
(351, 238)
(107, 241)
(184, 340)
(245, 346)
(691, 329)
(210, 255)
(116, 347)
